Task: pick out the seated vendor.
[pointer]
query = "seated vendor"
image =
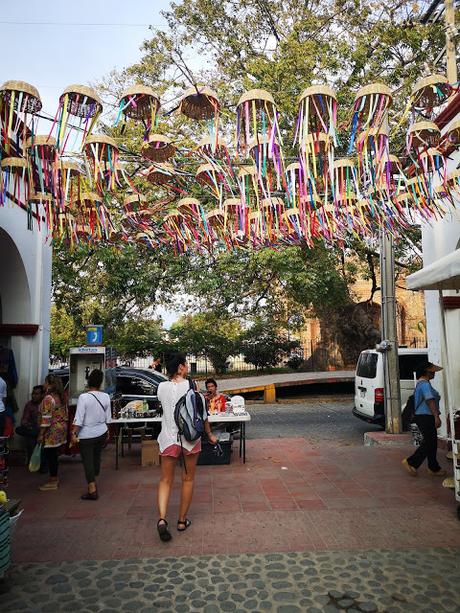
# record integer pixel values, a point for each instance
(29, 427)
(215, 400)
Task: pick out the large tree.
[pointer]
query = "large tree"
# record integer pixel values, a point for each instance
(282, 47)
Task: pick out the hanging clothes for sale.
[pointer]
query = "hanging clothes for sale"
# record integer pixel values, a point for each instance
(8, 366)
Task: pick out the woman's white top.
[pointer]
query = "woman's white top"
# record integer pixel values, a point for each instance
(168, 394)
(91, 416)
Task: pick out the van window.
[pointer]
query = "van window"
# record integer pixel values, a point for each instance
(367, 365)
(408, 364)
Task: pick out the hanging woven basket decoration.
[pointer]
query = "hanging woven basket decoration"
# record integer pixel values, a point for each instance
(453, 135)
(317, 114)
(44, 163)
(69, 183)
(193, 216)
(372, 147)
(212, 149)
(15, 185)
(293, 227)
(269, 161)
(429, 94)
(158, 148)
(316, 131)
(345, 180)
(161, 174)
(78, 111)
(216, 227)
(271, 211)
(370, 110)
(202, 103)
(213, 176)
(433, 168)
(139, 103)
(257, 123)
(422, 135)
(102, 154)
(236, 220)
(317, 161)
(95, 218)
(135, 203)
(19, 104)
(44, 205)
(177, 231)
(248, 185)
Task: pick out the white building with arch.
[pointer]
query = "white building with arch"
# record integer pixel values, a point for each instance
(25, 295)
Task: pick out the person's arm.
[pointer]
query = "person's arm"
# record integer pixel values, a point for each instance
(79, 419)
(207, 428)
(45, 416)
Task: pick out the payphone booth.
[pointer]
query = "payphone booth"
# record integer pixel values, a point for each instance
(82, 360)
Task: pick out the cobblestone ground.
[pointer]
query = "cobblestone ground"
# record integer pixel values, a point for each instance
(417, 580)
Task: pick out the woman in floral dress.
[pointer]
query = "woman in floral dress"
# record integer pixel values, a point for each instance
(53, 428)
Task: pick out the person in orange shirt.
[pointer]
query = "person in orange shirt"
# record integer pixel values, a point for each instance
(216, 400)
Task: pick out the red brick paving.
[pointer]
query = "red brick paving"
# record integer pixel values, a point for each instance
(290, 496)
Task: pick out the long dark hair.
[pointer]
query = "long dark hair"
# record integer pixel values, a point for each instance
(55, 386)
(179, 359)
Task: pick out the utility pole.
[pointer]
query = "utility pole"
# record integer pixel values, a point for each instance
(451, 33)
(389, 344)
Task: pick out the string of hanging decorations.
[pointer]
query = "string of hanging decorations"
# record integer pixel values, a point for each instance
(84, 186)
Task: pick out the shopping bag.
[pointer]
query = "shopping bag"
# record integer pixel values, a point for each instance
(36, 458)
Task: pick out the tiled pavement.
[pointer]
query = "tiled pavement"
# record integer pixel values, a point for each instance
(277, 534)
(290, 496)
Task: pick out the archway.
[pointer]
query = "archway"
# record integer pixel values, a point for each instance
(15, 300)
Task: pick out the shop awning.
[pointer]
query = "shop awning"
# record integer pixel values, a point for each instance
(442, 274)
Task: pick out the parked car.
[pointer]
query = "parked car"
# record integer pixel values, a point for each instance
(131, 383)
(369, 382)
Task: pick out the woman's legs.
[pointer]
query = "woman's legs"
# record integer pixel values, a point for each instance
(168, 465)
(52, 458)
(187, 484)
(86, 446)
(90, 451)
(429, 445)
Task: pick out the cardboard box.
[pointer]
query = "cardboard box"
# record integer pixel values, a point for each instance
(150, 453)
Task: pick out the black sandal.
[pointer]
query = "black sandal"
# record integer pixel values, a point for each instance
(165, 534)
(186, 523)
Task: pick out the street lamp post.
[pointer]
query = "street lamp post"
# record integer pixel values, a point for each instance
(389, 344)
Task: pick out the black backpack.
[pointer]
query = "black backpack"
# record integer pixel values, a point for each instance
(408, 414)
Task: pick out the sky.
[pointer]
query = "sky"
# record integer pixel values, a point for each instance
(54, 56)
(51, 57)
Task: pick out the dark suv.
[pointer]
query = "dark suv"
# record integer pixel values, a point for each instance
(132, 384)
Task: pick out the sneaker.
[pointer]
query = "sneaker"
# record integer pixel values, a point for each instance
(410, 469)
(438, 473)
(449, 483)
(49, 487)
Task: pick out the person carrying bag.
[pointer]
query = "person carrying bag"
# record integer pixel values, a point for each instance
(89, 430)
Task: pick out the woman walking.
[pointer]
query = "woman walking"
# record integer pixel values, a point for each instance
(90, 429)
(426, 402)
(169, 392)
(53, 428)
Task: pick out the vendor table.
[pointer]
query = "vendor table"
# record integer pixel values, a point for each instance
(221, 418)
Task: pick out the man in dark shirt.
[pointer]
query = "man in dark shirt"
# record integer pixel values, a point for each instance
(29, 427)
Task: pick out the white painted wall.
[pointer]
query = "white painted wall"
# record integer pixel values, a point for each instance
(25, 293)
(438, 240)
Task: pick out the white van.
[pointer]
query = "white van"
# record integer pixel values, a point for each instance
(369, 385)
